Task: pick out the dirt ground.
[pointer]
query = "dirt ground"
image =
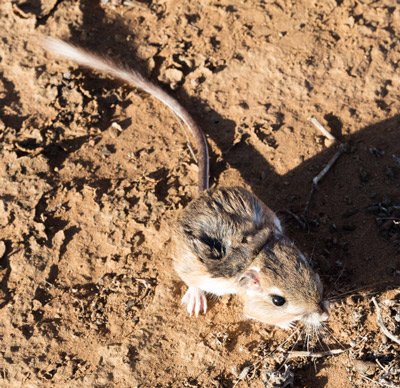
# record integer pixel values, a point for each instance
(93, 173)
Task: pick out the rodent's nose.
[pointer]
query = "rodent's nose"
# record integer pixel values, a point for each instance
(324, 310)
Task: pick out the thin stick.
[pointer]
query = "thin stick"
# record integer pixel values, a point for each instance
(379, 383)
(318, 178)
(361, 290)
(300, 353)
(134, 5)
(339, 152)
(382, 325)
(322, 129)
(382, 367)
(296, 217)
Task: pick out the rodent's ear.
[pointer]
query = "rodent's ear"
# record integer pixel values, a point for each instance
(250, 280)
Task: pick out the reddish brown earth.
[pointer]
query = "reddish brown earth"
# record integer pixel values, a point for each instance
(93, 173)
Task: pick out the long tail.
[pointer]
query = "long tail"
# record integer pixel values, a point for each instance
(131, 76)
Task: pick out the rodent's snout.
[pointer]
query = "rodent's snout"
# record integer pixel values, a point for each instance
(317, 316)
(324, 310)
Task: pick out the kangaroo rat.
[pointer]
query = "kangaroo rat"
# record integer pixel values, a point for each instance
(227, 241)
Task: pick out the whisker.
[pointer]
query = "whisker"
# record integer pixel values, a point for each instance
(310, 336)
(330, 332)
(300, 331)
(315, 333)
(308, 342)
(285, 341)
(366, 289)
(298, 338)
(322, 346)
(312, 252)
(314, 337)
(327, 345)
(279, 347)
(330, 288)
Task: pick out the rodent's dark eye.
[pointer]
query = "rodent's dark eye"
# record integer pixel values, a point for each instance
(278, 300)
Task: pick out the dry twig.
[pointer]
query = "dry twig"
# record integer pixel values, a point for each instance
(382, 325)
(134, 5)
(296, 217)
(338, 153)
(322, 129)
(342, 148)
(379, 382)
(333, 352)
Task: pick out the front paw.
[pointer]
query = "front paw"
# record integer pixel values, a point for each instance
(196, 300)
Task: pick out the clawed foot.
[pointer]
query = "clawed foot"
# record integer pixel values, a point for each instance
(196, 300)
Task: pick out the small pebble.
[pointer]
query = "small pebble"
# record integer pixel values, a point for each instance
(366, 367)
(116, 126)
(396, 160)
(244, 373)
(389, 173)
(173, 76)
(376, 152)
(328, 142)
(363, 175)
(318, 139)
(386, 201)
(36, 305)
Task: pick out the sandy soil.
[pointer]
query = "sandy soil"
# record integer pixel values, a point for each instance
(93, 173)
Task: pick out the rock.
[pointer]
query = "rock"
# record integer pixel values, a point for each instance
(277, 379)
(366, 367)
(173, 77)
(329, 142)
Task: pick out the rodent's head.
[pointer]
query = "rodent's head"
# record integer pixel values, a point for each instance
(280, 287)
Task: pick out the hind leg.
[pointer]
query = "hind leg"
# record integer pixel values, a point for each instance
(196, 300)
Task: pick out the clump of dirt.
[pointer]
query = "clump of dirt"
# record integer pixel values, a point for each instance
(93, 173)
